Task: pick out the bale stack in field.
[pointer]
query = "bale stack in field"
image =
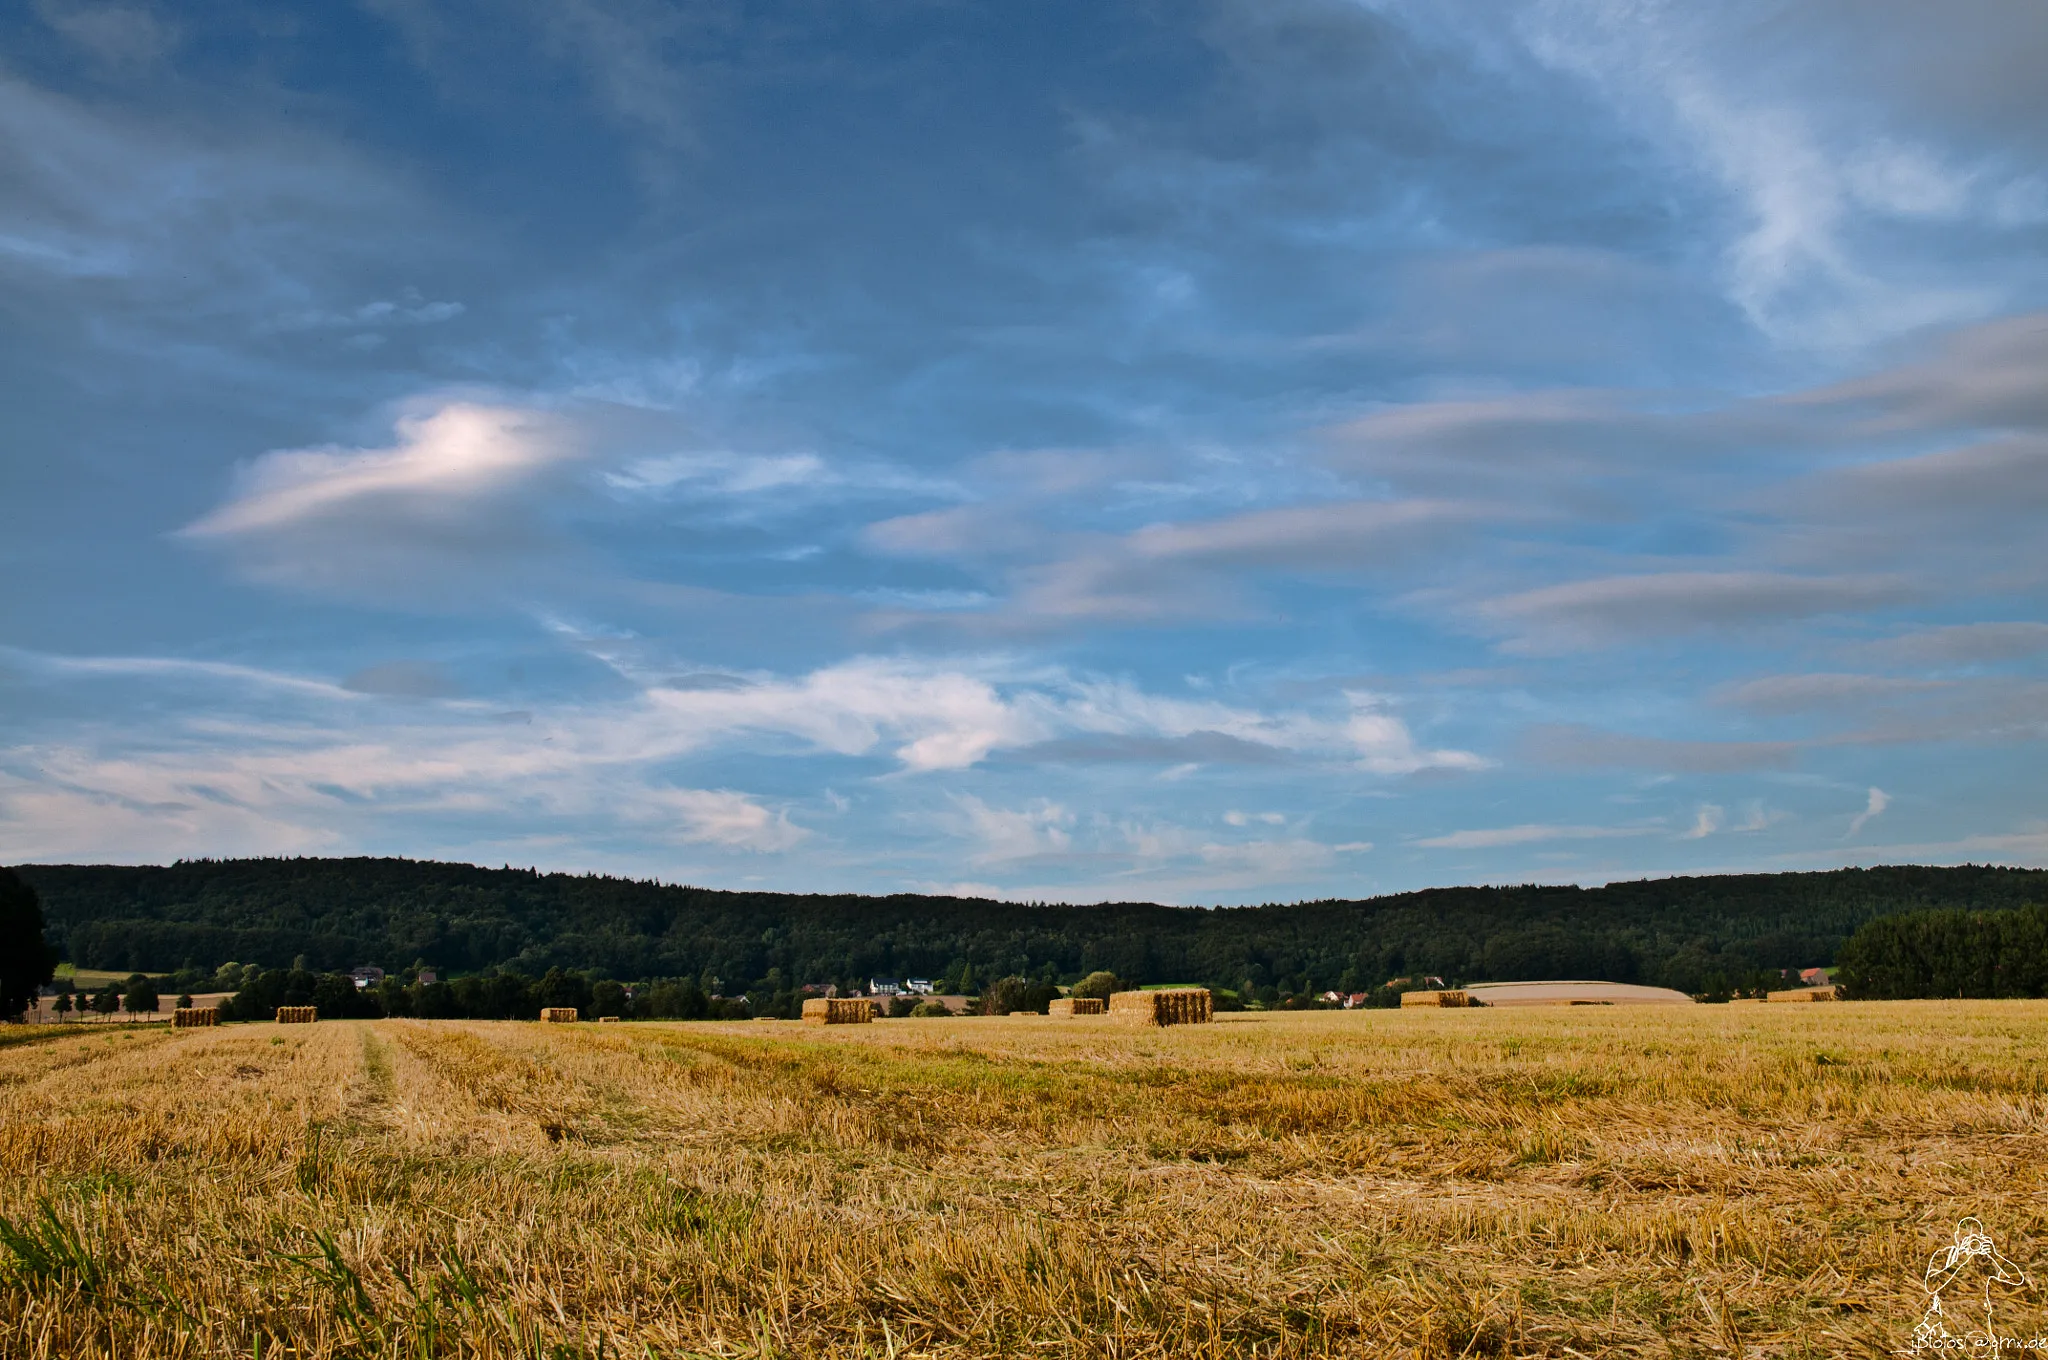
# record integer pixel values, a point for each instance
(1444, 998)
(839, 1010)
(558, 1015)
(1076, 1005)
(1806, 994)
(193, 1017)
(607, 1019)
(297, 1015)
(1164, 1006)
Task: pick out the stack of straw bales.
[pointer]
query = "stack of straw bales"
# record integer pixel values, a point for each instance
(558, 1015)
(1076, 1005)
(1448, 998)
(607, 1019)
(297, 1015)
(192, 1017)
(839, 1010)
(1166, 1006)
(1806, 994)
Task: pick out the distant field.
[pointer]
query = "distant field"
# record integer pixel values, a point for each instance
(1705, 1181)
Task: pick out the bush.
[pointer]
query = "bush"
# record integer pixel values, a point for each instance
(1099, 984)
(926, 1009)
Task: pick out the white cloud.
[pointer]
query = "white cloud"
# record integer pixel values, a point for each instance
(722, 817)
(1706, 822)
(450, 507)
(458, 452)
(732, 474)
(1040, 829)
(1530, 833)
(1874, 805)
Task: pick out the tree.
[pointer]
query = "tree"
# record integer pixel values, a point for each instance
(1099, 984)
(62, 1005)
(607, 998)
(108, 1001)
(142, 997)
(1013, 993)
(26, 959)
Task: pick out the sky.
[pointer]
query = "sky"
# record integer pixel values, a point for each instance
(1212, 452)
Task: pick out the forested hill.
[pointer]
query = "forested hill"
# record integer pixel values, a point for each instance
(337, 913)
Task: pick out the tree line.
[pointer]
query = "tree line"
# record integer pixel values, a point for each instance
(1948, 953)
(1707, 936)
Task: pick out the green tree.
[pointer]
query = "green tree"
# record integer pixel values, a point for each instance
(142, 998)
(108, 1001)
(1013, 993)
(607, 998)
(1099, 984)
(26, 959)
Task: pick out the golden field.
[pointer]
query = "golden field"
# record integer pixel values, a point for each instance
(1565, 1182)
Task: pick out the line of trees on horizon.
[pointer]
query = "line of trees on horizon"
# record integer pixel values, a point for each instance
(512, 938)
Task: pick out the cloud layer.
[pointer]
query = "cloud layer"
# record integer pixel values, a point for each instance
(1252, 450)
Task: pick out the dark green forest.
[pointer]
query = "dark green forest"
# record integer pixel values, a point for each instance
(1948, 953)
(1700, 935)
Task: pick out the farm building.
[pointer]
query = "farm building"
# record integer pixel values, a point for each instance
(1573, 994)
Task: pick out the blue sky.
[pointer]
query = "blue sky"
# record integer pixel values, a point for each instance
(1220, 452)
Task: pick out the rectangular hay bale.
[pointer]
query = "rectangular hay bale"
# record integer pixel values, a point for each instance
(1163, 1006)
(1076, 1005)
(194, 1017)
(1450, 998)
(1805, 994)
(607, 1019)
(839, 1010)
(297, 1015)
(558, 1015)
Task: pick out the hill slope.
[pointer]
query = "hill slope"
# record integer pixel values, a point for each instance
(1680, 932)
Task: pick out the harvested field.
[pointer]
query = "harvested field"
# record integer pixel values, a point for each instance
(1594, 1181)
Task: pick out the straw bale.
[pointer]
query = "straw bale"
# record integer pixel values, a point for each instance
(838, 1010)
(1164, 1006)
(192, 1017)
(607, 1019)
(297, 1015)
(558, 1015)
(1444, 998)
(1806, 994)
(1076, 1005)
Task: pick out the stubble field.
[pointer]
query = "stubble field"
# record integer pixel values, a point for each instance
(1714, 1181)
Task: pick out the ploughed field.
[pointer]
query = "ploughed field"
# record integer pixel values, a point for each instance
(1705, 1181)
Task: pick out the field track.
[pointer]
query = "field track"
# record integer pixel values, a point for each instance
(1716, 1181)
